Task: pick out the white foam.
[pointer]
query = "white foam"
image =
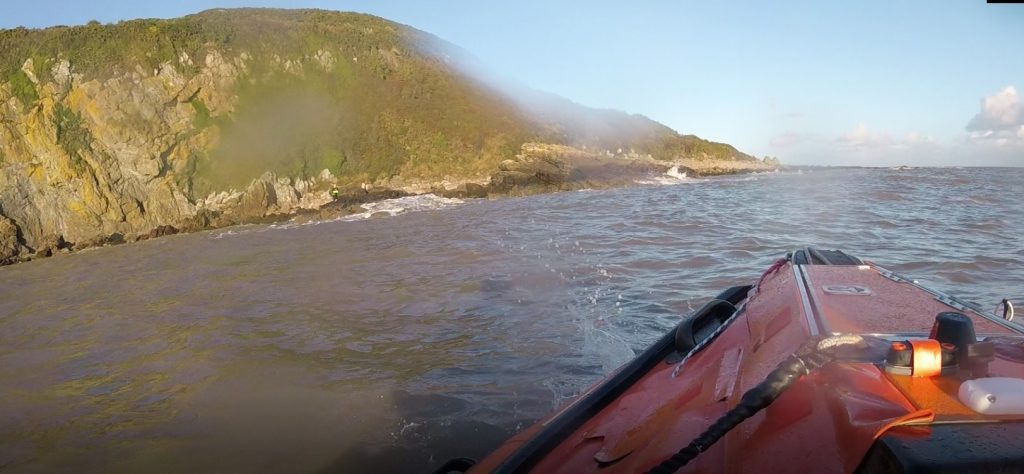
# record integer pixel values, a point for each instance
(671, 177)
(674, 172)
(221, 235)
(236, 230)
(394, 207)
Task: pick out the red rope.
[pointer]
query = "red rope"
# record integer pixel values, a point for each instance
(772, 269)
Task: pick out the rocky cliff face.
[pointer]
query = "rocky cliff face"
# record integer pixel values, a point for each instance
(91, 158)
(234, 116)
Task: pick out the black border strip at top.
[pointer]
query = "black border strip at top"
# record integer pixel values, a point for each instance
(592, 403)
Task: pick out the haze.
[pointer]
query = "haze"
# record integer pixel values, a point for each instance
(853, 83)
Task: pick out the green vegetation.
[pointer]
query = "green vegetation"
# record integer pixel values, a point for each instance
(374, 108)
(23, 88)
(98, 50)
(692, 145)
(72, 135)
(184, 180)
(202, 118)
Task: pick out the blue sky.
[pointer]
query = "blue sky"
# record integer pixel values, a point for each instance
(816, 82)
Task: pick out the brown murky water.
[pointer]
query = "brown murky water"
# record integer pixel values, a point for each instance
(387, 345)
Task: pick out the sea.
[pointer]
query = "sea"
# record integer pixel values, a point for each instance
(428, 328)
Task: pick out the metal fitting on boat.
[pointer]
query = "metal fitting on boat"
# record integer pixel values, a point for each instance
(921, 358)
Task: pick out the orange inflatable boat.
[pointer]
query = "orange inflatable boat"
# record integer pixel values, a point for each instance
(826, 364)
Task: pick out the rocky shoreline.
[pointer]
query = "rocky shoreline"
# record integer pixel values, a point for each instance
(539, 168)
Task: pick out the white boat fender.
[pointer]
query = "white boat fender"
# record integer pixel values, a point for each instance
(1004, 309)
(994, 395)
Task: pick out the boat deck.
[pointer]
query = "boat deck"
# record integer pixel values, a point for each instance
(865, 301)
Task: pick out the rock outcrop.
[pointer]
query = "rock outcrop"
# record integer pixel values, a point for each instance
(87, 159)
(10, 242)
(546, 167)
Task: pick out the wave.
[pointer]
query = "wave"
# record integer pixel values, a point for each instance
(389, 207)
(402, 205)
(672, 176)
(236, 230)
(674, 172)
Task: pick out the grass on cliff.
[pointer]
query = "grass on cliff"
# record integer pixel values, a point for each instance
(361, 126)
(72, 135)
(376, 108)
(202, 118)
(23, 88)
(100, 50)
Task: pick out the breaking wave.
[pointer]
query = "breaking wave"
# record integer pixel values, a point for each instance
(672, 176)
(387, 207)
(393, 207)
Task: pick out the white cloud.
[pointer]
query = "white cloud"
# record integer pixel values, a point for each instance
(1000, 111)
(915, 138)
(861, 137)
(993, 136)
(1000, 121)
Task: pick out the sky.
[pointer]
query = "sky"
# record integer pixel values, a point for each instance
(876, 83)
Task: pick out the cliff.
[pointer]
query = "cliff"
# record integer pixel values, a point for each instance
(147, 127)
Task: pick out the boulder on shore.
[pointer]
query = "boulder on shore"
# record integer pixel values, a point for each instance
(159, 231)
(51, 244)
(10, 244)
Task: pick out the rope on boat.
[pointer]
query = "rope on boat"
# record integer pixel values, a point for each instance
(813, 355)
(772, 269)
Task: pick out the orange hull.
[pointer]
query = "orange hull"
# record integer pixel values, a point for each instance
(843, 417)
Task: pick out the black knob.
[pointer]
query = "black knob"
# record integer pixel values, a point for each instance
(956, 329)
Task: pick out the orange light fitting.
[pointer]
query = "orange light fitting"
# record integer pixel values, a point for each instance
(927, 357)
